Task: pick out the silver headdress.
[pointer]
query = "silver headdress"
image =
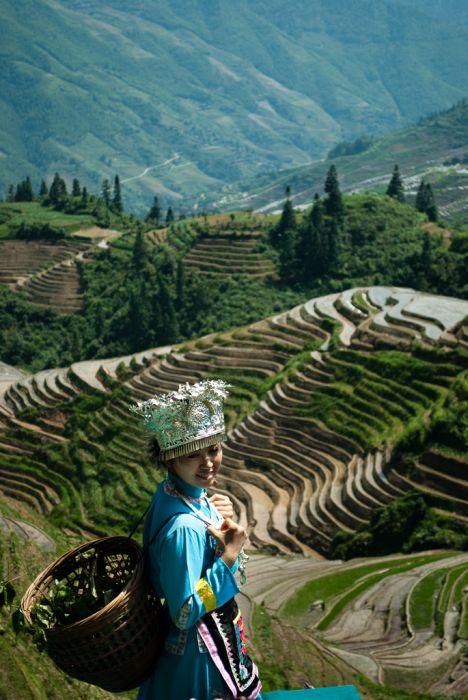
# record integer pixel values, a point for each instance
(188, 419)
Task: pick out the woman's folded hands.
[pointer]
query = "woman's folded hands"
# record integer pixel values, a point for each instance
(223, 505)
(231, 537)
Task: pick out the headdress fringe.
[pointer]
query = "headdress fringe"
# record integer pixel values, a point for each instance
(192, 446)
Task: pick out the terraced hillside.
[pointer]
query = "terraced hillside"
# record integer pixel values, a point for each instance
(324, 398)
(47, 271)
(221, 245)
(19, 260)
(400, 621)
(321, 395)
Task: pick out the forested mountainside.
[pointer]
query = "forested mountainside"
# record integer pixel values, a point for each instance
(347, 435)
(183, 97)
(70, 291)
(436, 149)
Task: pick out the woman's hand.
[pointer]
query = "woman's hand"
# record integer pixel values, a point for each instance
(232, 538)
(223, 505)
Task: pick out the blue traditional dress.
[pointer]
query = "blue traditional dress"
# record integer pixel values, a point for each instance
(188, 573)
(193, 580)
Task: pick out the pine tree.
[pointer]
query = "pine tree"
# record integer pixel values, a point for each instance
(154, 214)
(11, 193)
(286, 222)
(84, 196)
(169, 216)
(139, 252)
(334, 202)
(395, 186)
(420, 202)
(28, 190)
(332, 246)
(58, 189)
(287, 259)
(117, 198)
(316, 214)
(62, 187)
(43, 191)
(425, 201)
(76, 188)
(431, 206)
(105, 192)
(24, 192)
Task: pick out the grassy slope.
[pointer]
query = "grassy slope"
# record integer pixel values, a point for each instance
(14, 214)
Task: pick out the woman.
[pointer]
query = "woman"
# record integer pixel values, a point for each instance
(194, 553)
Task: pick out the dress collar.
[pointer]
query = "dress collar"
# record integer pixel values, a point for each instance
(184, 488)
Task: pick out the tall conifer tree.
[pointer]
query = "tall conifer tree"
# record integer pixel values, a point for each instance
(106, 192)
(425, 201)
(43, 191)
(139, 251)
(117, 198)
(431, 206)
(169, 216)
(334, 206)
(154, 214)
(395, 187)
(76, 188)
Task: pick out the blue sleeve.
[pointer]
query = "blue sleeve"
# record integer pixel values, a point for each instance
(188, 593)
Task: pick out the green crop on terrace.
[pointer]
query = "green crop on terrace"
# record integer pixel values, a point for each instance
(348, 583)
(423, 599)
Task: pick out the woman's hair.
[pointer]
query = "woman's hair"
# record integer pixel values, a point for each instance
(154, 453)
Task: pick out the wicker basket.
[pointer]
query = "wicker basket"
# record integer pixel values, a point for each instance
(115, 648)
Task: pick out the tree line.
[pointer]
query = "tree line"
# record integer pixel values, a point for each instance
(368, 239)
(58, 196)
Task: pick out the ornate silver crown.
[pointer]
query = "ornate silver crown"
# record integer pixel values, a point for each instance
(186, 420)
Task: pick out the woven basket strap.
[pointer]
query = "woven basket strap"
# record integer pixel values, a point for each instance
(135, 527)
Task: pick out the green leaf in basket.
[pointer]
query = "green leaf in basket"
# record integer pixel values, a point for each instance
(17, 621)
(108, 596)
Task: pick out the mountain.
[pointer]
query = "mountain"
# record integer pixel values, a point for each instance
(436, 148)
(187, 95)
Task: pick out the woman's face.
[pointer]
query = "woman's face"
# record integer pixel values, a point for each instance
(198, 468)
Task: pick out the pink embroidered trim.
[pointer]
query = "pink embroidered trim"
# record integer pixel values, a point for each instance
(210, 645)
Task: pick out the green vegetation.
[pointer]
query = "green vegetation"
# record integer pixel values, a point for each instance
(406, 524)
(301, 659)
(137, 294)
(348, 403)
(14, 215)
(31, 675)
(366, 240)
(423, 599)
(337, 589)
